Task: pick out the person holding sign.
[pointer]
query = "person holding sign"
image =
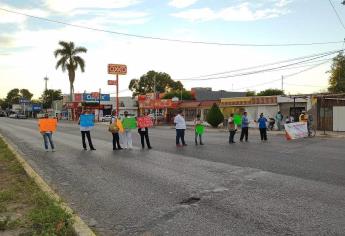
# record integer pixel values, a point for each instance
(180, 125)
(114, 128)
(232, 128)
(47, 126)
(144, 122)
(199, 129)
(86, 122)
(128, 123)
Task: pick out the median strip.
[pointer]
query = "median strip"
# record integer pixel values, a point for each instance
(28, 206)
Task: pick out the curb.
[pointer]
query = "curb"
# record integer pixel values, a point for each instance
(79, 226)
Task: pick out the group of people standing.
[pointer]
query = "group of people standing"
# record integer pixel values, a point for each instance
(122, 137)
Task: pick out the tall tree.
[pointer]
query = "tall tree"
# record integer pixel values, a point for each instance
(271, 92)
(25, 93)
(146, 83)
(337, 74)
(3, 104)
(49, 96)
(70, 61)
(13, 96)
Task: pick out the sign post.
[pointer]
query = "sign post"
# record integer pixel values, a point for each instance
(116, 69)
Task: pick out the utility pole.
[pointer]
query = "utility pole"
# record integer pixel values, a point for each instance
(154, 94)
(282, 83)
(99, 102)
(46, 81)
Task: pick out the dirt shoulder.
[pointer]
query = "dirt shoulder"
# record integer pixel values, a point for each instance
(24, 208)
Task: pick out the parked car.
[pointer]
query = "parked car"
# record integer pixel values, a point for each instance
(2, 114)
(13, 115)
(106, 118)
(21, 116)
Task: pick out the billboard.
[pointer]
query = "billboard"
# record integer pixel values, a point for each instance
(88, 97)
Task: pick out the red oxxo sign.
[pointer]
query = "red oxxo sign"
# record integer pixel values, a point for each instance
(117, 69)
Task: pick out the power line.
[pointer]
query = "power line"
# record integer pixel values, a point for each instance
(285, 76)
(170, 39)
(339, 18)
(259, 71)
(258, 66)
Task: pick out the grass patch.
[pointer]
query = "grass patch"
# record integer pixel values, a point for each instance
(24, 208)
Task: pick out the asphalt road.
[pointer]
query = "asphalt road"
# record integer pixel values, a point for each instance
(273, 188)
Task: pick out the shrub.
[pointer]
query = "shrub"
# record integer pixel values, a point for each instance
(214, 116)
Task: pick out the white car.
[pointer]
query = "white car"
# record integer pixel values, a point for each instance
(106, 118)
(14, 115)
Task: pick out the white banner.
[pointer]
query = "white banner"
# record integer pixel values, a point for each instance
(296, 130)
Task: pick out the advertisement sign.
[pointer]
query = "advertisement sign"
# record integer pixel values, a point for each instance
(296, 130)
(112, 82)
(117, 69)
(144, 122)
(89, 98)
(87, 120)
(36, 107)
(47, 125)
(24, 101)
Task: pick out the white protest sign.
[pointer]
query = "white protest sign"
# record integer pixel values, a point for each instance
(296, 130)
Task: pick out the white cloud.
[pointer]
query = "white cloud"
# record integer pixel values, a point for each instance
(283, 3)
(65, 6)
(182, 3)
(242, 12)
(8, 17)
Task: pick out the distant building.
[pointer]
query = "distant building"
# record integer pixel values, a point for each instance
(206, 94)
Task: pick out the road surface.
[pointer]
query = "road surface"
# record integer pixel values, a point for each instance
(273, 188)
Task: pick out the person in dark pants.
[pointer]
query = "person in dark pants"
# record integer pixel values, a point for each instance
(180, 125)
(85, 131)
(232, 128)
(245, 125)
(263, 127)
(144, 133)
(114, 129)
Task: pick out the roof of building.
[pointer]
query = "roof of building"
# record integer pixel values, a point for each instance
(204, 95)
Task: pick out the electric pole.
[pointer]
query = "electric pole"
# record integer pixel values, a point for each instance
(282, 83)
(46, 82)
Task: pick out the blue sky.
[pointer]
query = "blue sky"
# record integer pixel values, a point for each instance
(27, 44)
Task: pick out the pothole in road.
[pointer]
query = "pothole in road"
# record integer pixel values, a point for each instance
(190, 200)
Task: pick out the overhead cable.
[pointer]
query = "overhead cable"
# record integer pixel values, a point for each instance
(257, 71)
(262, 65)
(170, 39)
(336, 12)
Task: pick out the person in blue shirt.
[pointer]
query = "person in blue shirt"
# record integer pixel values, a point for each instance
(263, 127)
(244, 128)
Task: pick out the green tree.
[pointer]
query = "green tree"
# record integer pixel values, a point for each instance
(214, 116)
(49, 96)
(3, 104)
(147, 82)
(250, 93)
(69, 60)
(271, 92)
(13, 96)
(186, 95)
(25, 93)
(337, 74)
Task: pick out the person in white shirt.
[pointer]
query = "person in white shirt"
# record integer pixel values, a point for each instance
(127, 136)
(180, 126)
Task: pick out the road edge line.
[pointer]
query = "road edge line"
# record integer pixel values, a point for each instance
(79, 226)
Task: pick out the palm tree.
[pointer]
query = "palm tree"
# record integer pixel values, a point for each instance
(70, 60)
